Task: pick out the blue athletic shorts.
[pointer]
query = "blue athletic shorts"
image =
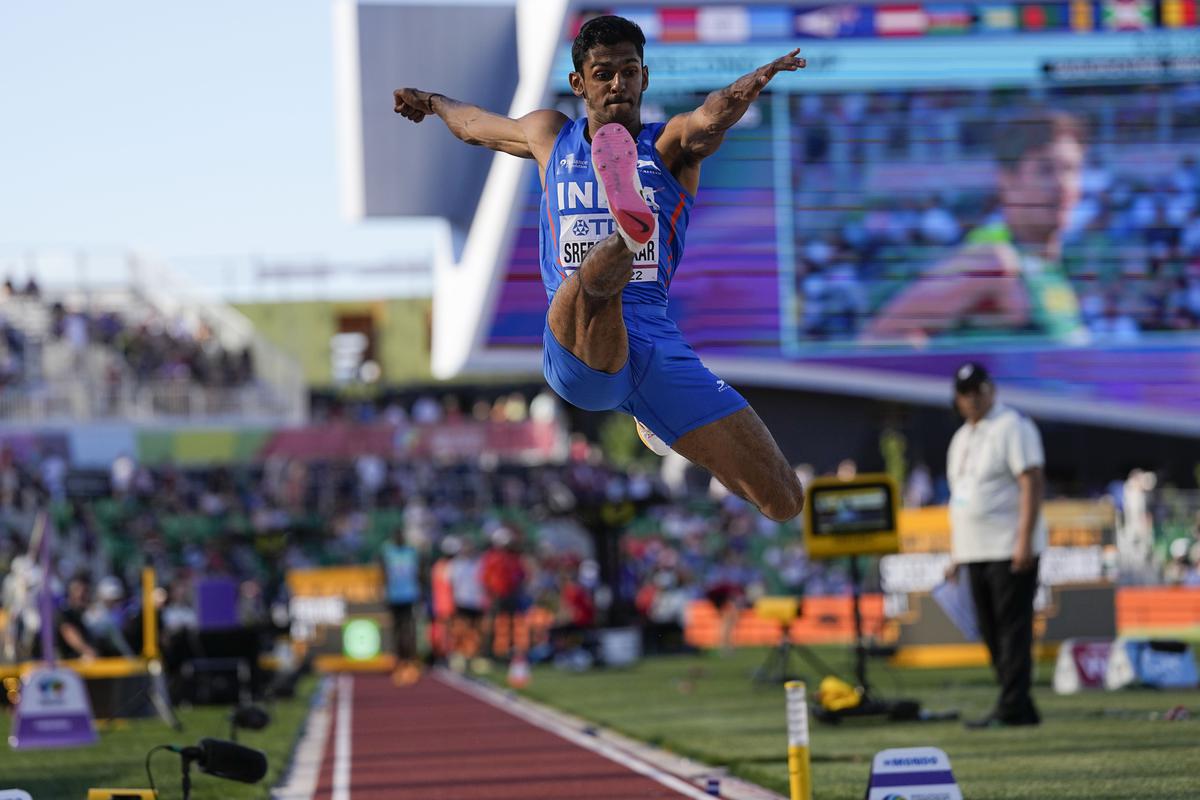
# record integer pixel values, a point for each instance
(663, 383)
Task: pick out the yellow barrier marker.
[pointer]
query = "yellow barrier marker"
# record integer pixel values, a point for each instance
(121, 794)
(149, 615)
(799, 770)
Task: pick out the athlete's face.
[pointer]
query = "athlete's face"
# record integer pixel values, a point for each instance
(1041, 190)
(611, 82)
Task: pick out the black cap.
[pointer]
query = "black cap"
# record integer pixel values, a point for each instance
(969, 377)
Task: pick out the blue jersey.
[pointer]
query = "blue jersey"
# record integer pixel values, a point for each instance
(402, 573)
(574, 217)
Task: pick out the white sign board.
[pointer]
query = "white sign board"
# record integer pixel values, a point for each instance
(54, 711)
(1082, 664)
(912, 773)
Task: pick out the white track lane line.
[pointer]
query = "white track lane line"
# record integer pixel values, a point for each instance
(305, 769)
(570, 734)
(341, 740)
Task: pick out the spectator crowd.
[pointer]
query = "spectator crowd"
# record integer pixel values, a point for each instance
(493, 538)
(156, 349)
(150, 348)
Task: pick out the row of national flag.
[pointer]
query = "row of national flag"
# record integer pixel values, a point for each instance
(734, 23)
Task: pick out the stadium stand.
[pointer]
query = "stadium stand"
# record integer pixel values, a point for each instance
(134, 343)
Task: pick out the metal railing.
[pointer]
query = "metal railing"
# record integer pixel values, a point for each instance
(135, 284)
(174, 297)
(85, 400)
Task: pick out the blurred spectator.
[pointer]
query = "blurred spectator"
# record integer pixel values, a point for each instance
(1189, 239)
(394, 414)
(75, 331)
(179, 613)
(74, 638)
(1179, 565)
(18, 590)
(426, 411)
(662, 602)
(466, 583)
(544, 407)
(1187, 177)
(105, 619)
(725, 588)
(371, 473)
(1097, 177)
(54, 476)
(503, 575)
(420, 523)
(938, 225)
(401, 569)
(441, 597)
(1116, 323)
(918, 490)
(512, 408)
(121, 475)
(1135, 535)
(10, 480)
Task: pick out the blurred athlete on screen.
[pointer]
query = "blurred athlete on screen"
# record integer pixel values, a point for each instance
(1008, 275)
(617, 196)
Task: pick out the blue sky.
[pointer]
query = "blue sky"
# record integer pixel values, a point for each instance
(189, 130)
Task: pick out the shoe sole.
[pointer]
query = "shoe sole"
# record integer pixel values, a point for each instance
(651, 440)
(614, 159)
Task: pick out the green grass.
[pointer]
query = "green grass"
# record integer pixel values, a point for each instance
(118, 759)
(1106, 746)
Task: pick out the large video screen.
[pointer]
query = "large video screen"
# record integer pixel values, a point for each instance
(1014, 183)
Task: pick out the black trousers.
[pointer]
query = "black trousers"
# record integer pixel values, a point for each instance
(404, 630)
(1004, 608)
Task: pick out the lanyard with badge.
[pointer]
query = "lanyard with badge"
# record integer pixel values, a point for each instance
(961, 495)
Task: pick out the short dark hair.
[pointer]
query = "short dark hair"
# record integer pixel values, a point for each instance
(606, 30)
(1022, 132)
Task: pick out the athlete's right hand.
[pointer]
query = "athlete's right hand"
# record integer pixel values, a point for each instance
(413, 103)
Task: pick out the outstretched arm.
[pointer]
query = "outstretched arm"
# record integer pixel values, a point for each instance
(699, 133)
(531, 136)
(979, 281)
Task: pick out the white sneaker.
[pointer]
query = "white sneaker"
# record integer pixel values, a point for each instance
(650, 439)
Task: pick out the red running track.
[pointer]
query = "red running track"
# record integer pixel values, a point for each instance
(435, 742)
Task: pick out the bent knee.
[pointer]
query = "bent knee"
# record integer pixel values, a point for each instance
(785, 504)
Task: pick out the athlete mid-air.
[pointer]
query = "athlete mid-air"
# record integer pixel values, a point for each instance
(616, 200)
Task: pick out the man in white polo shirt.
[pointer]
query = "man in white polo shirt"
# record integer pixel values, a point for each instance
(996, 481)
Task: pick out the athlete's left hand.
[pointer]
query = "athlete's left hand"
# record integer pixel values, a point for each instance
(754, 83)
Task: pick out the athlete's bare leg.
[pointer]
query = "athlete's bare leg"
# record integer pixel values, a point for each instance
(585, 315)
(586, 318)
(741, 453)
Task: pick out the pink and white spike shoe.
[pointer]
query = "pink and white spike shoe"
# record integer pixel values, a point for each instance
(614, 159)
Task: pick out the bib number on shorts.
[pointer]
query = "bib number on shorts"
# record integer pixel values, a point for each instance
(579, 233)
(640, 274)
